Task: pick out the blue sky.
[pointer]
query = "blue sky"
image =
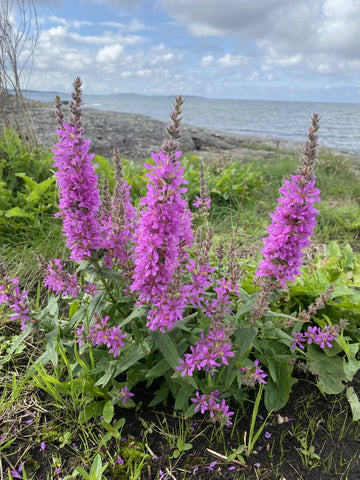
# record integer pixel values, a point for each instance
(252, 49)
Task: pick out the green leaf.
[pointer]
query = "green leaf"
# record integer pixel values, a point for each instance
(353, 365)
(138, 312)
(161, 396)
(108, 412)
(182, 396)
(108, 375)
(133, 355)
(277, 393)
(159, 369)
(91, 410)
(354, 403)
(334, 249)
(82, 472)
(329, 371)
(18, 212)
(167, 347)
(19, 341)
(97, 468)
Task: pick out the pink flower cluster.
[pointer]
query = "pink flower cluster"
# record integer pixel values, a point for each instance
(204, 203)
(78, 191)
(59, 280)
(253, 375)
(201, 279)
(162, 236)
(17, 301)
(209, 353)
(314, 334)
(292, 224)
(101, 334)
(118, 226)
(218, 409)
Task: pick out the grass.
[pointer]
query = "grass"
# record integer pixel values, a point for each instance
(313, 437)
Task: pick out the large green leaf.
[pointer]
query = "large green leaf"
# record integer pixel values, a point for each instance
(329, 371)
(277, 392)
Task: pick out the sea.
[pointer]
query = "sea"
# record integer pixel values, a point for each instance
(339, 122)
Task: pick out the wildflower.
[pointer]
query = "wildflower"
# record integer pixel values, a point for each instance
(14, 299)
(118, 220)
(124, 395)
(79, 198)
(163, 234)
(293, 224)
(316, 335)
(15, 474)
(325, 337)
(82, 337)
(218, 409)
(259, 375)
(209, 353)
(119, 460)
(298, 340)
(202, 202)
(267, 435)
(42, 446)
(252, 375)
(58, 280)
(312, 335)
(102, 335)
(293, 221)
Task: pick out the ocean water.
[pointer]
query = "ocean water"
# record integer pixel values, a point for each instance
(339, 122)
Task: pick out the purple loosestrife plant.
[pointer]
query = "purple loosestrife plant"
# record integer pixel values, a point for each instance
(293, 221)
(60, 281)
(15, 300)
(166, 308)
(163, 236)
(79, 198)
(12, 297)
(118, 222)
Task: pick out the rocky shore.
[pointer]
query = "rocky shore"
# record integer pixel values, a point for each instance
(139, 135)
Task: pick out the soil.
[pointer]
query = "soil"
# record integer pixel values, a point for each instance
(331, 450)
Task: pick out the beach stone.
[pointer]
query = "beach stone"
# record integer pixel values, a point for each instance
(137, 136)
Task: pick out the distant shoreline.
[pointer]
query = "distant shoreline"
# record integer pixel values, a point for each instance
(137, 136)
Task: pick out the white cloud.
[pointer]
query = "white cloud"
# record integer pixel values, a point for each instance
(110, 53)
(207, 60)
(285, 33)
(62, 21)
(229, 60)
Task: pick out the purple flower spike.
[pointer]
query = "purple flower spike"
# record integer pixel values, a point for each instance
(163, 235)
(293, 221)
(79, 198)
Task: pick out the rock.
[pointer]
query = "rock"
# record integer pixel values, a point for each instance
(138, 135)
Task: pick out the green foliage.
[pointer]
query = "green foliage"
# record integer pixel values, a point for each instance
(88, 382)
(229, 186)
(27, 185)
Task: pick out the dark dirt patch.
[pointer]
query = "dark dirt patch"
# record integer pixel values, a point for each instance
(313, 438)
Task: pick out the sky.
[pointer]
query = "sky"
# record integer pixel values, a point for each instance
(302, 50)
